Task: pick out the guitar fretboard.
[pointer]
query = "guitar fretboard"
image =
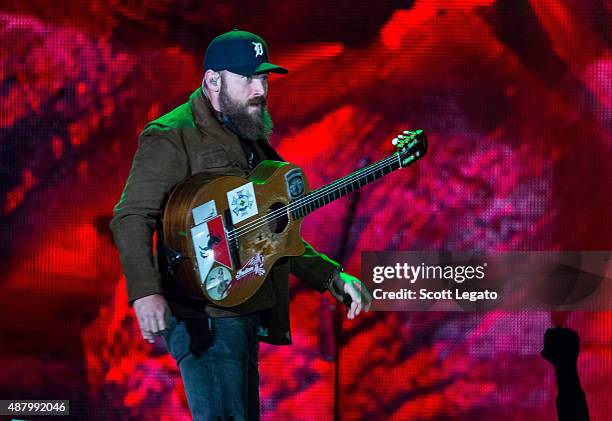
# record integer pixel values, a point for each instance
(343, 186)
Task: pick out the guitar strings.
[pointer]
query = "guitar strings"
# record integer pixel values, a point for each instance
(281, 212)
(311, 197)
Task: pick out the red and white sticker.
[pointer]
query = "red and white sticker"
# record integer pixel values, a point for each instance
(253, 268)
(210, 246)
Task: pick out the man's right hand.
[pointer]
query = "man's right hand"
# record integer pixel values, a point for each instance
(152, 313)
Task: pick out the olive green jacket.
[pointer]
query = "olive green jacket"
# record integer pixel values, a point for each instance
(186, 141)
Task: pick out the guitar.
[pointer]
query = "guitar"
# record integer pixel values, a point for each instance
(226, 234)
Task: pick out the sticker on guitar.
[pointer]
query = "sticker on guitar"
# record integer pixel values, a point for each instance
(295, 183)
(204, 212)
(242, 202)
(253, 268)
(210, 246)
(218, 283)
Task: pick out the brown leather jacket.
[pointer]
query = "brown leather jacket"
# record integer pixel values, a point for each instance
(186, 141)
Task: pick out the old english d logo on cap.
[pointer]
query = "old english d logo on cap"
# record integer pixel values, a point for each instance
(239, 52)
(258, 49)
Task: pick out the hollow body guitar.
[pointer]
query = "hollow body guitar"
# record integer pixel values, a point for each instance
(226, 234)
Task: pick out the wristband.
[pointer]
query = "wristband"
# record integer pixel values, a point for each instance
(330, 280)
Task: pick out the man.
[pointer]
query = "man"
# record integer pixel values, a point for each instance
(222, 130)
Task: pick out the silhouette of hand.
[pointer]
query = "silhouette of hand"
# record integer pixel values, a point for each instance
(561, 346)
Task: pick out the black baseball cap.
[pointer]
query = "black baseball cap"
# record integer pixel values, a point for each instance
(239, 52)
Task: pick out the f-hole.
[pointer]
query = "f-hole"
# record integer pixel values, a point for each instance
(278, 220)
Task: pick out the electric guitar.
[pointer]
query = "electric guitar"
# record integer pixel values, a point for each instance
(226, 234)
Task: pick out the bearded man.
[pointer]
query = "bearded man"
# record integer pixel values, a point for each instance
(222, 130)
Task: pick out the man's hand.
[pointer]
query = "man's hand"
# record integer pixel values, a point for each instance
(152, 312)
(345, 285)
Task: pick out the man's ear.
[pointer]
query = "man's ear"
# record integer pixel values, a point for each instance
(212, 80)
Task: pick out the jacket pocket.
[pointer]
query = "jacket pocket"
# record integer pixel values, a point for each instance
(211, 158)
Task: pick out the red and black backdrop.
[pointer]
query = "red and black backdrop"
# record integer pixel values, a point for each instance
(515, 96)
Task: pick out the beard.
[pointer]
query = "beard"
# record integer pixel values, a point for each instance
(253, 123)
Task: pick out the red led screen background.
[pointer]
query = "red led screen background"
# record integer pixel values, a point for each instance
(515, 96)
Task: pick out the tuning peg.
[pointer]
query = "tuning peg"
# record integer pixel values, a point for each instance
(395, 141)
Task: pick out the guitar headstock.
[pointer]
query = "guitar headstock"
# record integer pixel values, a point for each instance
(411, 146)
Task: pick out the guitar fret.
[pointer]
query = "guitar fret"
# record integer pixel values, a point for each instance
(343, 186)
(297, 214)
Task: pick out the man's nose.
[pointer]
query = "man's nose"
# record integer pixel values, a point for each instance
(257, 87)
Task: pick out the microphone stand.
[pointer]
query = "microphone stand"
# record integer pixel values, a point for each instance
(331, 316)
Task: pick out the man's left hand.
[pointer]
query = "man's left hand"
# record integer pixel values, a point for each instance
(345, 285)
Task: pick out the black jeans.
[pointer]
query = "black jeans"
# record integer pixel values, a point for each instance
(218, 360)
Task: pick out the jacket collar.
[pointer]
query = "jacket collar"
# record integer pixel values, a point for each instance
(206, 118)
(204, 115)
(212, 129)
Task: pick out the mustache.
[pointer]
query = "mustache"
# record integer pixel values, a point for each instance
(258, 101)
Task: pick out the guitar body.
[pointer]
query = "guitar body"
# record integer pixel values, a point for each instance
(230, 231)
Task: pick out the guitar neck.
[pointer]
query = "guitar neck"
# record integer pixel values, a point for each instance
(343, 186)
